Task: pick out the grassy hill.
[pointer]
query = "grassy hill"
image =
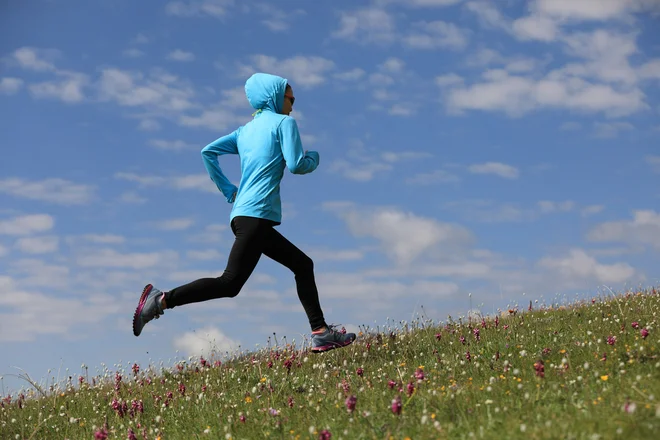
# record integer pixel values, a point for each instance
(586, 370)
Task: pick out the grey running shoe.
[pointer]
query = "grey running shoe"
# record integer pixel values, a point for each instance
(331, 339)
(148, 308)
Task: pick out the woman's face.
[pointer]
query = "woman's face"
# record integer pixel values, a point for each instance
(287, 104)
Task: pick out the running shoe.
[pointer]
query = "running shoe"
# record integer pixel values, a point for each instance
(331, 339)
(148, 308)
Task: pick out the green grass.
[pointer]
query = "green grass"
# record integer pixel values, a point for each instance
(589, 388)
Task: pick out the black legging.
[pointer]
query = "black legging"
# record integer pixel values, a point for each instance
(255, 236)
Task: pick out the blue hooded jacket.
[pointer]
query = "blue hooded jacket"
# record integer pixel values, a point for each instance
(265, 145)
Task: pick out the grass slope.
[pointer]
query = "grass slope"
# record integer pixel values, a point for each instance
(587, 370)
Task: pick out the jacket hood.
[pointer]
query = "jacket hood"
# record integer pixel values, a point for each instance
(265, 91)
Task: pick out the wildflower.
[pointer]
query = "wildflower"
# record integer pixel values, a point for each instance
(644, 333)
(131, 435)
(391, 384)
(604, 377)
(242, 418)
(468, 356)
(101, 434)
(419, 374)
(136, 369)
(629, 407)
(438, 336)
(410, 388)
(539, 367)
(350, 403)
(182, 389)
(476, 334)
(290, 402)
(325, 435)
(462, 339)
(396, 405)
(611, 340)
(360, 371)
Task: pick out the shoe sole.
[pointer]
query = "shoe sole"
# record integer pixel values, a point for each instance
(136, 316)
(324, 348)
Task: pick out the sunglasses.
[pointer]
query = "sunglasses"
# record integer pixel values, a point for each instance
(292, 98)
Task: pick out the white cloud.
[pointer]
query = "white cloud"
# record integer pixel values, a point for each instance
(591, 210)
(592, 10)
(611, 129)
(31, 314)
(489, 211)
(197, 8)
(579, 265)
(181, 55)
(9, 85)
(175, 224)
(204, 342)
(216, 119)
(654, 162)
(133, 53)
(37, 273)
(38, 245)
(375, 25)
(436, 35)
(437, 176)
(488, 14)
(199, 182)
(336, 255)
(548, 206)
(160, 91)
(96, 239)
(496, 168)
(27, 224)
(68, 89)
(149, 125)
(419, 3)
(350, 75)
(31, 58)
(368, 25)
(517, 95)
(643, 229)
(54, 190)
(137, 260)
(209, 254)
(450, 79)
(303, 71)
(277, 19)
(363, 164)
(403, 236)
(131, 197)
(173, 145)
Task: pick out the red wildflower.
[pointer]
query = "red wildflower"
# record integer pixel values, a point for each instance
(396, 405)
(350, 403)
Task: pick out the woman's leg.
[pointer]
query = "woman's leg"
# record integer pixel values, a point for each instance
(281, 250)
(251, 236)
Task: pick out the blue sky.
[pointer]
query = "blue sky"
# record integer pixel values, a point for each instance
(509, 150)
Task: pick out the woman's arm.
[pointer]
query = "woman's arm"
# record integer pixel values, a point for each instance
(225, 145)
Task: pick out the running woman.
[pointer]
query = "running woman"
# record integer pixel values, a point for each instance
(265, 145)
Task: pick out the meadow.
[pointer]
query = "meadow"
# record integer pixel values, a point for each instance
(584, 369)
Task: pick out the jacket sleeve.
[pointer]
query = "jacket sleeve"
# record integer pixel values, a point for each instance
(297, 161)
(225, 145)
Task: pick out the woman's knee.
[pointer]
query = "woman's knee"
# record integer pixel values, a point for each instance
(305, 265)
(231, 284)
